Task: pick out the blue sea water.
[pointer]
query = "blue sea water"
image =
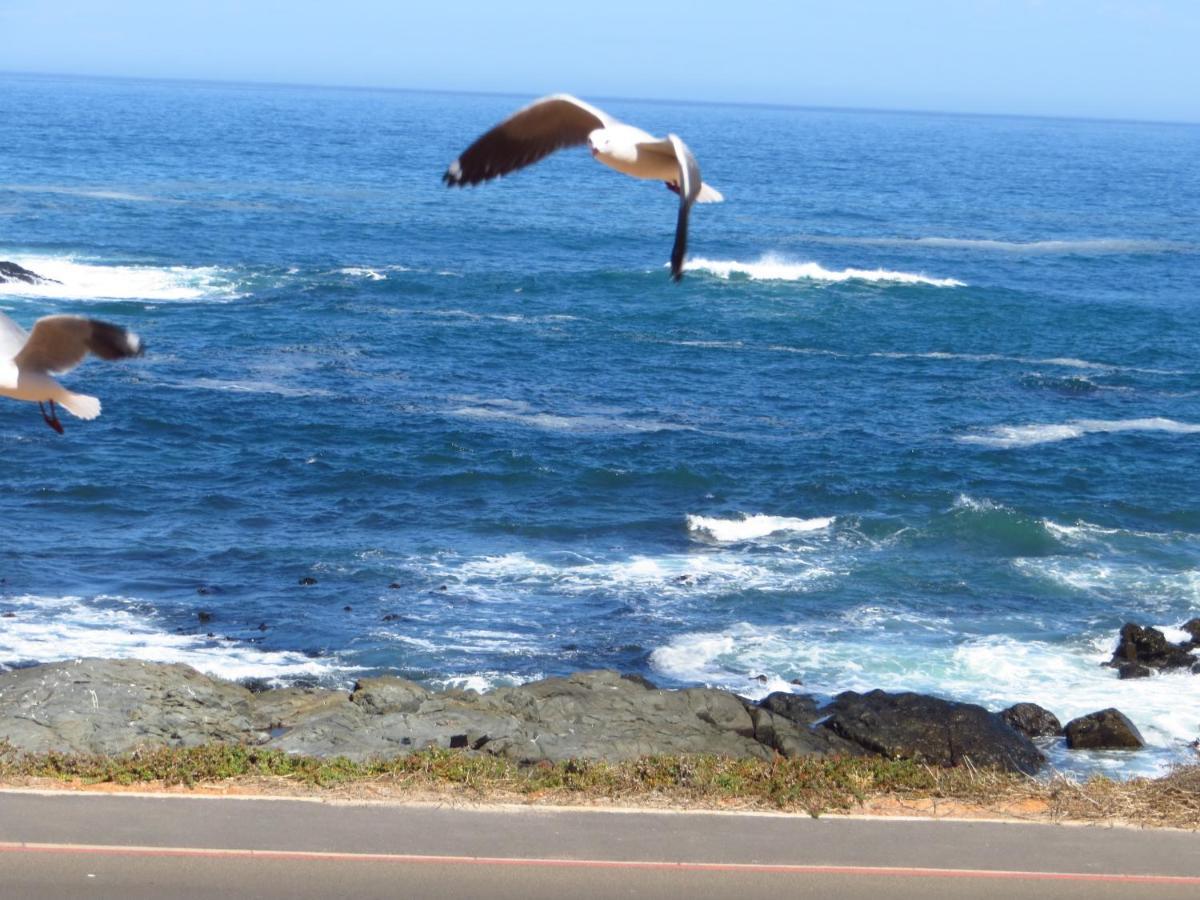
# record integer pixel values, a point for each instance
(924, 412)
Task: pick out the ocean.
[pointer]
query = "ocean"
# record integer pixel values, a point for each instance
(924, 412)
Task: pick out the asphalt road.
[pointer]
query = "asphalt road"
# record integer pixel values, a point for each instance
(67, 845)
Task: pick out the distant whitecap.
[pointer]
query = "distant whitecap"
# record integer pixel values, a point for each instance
(773, 268)
(748, 528)
(1007, 436)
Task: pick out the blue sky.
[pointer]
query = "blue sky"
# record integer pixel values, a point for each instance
(1103, 58)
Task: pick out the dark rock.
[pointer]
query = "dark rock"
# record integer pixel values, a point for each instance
(391, 617)
(347, 609)
(1149, 647)
(8, 615)
(1108, 729)
(1133, 670)
(796, 707)
(10, 271)
(789, 738)
(262, 626)
(1192, 627)
(308, 581)
(930, 729)
(204, 615)
(761, 679)
(394, 586)
(1032, 720)
(796, 681)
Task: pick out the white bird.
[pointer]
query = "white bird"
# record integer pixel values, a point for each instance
(558, 121)
(57, 345)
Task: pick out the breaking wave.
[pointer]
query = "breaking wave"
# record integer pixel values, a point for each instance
(86, 280)
(47, 629)
(1006, 436)
(772, 268)
(750, 527)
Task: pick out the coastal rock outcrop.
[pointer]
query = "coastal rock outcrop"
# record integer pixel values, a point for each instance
(1108, 729)
(1032, 720)
(942, 732)
(114, 706)
(1141, 649)
(10, 271)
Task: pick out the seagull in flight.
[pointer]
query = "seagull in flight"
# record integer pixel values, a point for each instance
(559, 121)
(57, 345)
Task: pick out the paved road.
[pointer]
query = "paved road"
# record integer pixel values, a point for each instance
(58, 845)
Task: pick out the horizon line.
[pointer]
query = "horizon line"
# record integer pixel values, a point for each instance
(753, 104)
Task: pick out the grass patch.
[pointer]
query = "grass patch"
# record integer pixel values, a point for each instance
(812, 785)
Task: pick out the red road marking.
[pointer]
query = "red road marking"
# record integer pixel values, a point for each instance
(777, 868)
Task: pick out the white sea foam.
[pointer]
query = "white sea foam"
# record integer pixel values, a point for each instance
(96, 193)
(1067, 362)
(1007, 436)
(1086, 246)
(773, 268)
(1117, 579)
(88, 280)
(749, 527)
(862, 654)
(46, 629)
(359, 272)
(521, 413)
(660, 578)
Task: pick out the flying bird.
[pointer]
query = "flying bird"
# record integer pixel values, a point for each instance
(57, 345)
(559, 121)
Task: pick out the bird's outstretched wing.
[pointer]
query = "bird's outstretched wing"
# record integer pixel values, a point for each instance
(689, 190)
(528, 135)
(12, 338)
(58, 344)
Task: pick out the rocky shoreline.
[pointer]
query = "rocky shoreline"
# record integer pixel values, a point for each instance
(116, 706)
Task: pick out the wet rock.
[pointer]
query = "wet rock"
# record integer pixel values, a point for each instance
(1133, 670)
(1149, 647)
(204, 615)
(1108, 729)
(1032, 720)
(1192, 627)
(796, 707)
(394, 586)
(10, 271)
(942, 732)
(308, 581)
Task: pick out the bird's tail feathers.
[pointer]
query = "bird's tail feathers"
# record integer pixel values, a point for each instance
(80, 405)
(709, 194)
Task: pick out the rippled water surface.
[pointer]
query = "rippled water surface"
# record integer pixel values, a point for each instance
(924, 412)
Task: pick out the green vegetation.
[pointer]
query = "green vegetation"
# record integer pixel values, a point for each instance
(813, 785)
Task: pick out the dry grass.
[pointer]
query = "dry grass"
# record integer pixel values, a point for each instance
(812, 785)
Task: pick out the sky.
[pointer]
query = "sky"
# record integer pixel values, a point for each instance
(1087, 58)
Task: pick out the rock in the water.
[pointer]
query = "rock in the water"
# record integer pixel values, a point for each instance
(1133, 670)
(1108, 729)
(1192, 627)
(1149, 647)
(1032, 720)
(943, 732)
(10, 271)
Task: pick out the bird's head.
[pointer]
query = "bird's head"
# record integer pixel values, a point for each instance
(599, 141)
